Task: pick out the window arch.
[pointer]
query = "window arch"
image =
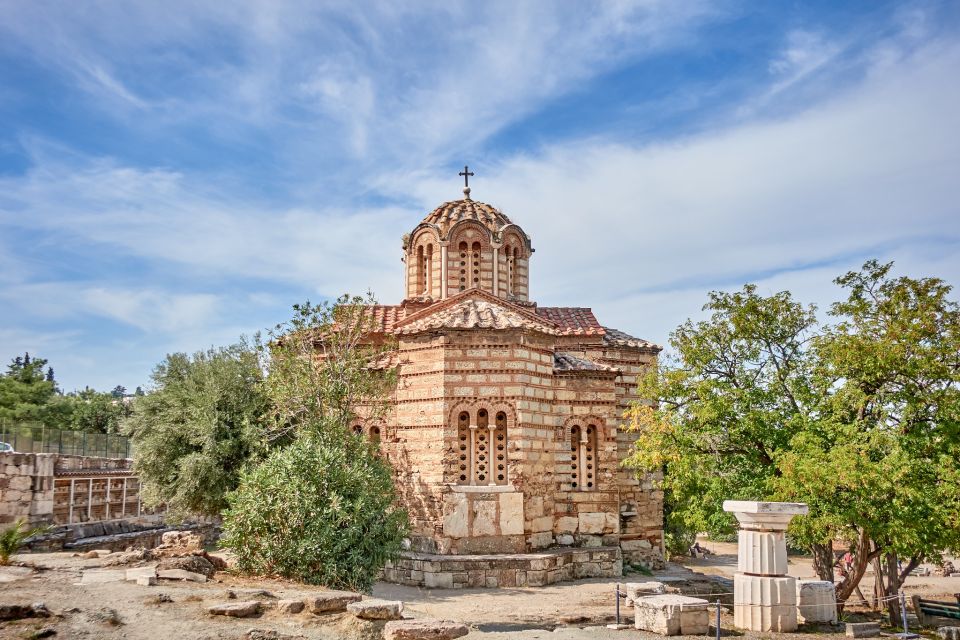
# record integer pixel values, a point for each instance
(583, 457)
(481, 446)
(464, 251)
(421, 269)
(428, 272)
(475, 254)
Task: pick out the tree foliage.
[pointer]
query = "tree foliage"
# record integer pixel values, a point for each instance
(320, 510)
(198, 427)
(859, 418)
(325, 366)
(25, 390)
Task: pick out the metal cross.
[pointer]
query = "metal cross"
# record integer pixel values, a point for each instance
(466, 173)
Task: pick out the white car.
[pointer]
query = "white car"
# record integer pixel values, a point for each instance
(6, 448)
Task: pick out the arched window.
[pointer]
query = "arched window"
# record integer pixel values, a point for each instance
(514, 273)
(464, 250)
(421, 269)
(510, 269)
(575, 457)
(583, 457)
(475, 265)
(375, 435)
(464, 447)
(499, 451)
(481, 448)
(357, 429)
(428, 272)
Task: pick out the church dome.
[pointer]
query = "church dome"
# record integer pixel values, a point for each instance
(448, 214)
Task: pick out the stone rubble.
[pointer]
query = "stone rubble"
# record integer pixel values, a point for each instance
(290, 606)
(331, 601)
(862, 629)
(949, 633)
(672, 615)
(375, 609)
(180, 574)
(423, 629)
(20, 611)
(243, 609)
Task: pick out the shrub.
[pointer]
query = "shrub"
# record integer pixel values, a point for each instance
(319, 510)
(12, 538)
(197, 428)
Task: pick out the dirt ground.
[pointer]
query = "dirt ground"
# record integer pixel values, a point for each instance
(569, 611)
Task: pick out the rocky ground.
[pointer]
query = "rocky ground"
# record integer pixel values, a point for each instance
(179, 609)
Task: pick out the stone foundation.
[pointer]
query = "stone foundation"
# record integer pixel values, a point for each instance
(504, 570)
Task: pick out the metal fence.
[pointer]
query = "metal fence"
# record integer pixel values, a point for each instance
(36, 438)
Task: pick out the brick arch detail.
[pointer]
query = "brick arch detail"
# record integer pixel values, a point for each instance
(472, 407)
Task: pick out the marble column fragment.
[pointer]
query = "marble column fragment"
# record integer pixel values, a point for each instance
(765, 597)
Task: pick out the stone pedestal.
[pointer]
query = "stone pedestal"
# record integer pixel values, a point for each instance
(765, 598)
(816, 601)
(672, 615)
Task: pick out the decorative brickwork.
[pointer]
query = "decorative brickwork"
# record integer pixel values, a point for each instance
(505, 429)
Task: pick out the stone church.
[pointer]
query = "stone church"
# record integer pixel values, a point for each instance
(505, 427)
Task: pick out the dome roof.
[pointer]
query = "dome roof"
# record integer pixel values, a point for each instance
(450, 213)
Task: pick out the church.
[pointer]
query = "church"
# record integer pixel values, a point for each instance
(505, 428)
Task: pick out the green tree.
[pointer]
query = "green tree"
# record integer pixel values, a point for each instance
(326, 366)
(858, 419)
(25, 390)
(119, 391)
(883, 459)
(322, 508)
(198, 427)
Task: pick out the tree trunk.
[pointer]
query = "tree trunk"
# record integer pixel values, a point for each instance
(895, 579)
(823, 560)
(862, 555)
(879, 591)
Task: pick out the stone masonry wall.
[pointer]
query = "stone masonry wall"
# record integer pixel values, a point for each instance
(28, 482)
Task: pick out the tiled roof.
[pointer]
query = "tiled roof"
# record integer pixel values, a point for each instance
(385, 317)
(450, 213)
(617, 338)
(573, 321)
(568, 362)
(475, 313)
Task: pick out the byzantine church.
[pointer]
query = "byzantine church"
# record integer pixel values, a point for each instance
(505, 430)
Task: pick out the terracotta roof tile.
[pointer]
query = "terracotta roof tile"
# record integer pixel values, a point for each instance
(568, 362)
(573, 321)
(450, 213)
(385, 317)
(475, 314)
(618, 338)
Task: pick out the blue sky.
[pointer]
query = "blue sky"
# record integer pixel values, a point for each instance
(174, 175)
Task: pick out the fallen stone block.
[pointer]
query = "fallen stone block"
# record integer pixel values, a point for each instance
(101, 577)
(100, 553)
(140, 572)
(290, 606)
(672, 615)
(636, 590)
(375, 609)
(269, 634)
(423, 630)
(816, 601)
(180, 574)
(244, 609)
(246, 594)
(331, 601)
(20, 611)
(949, 633)
(192, 563)
(863, 629)
(146, 581)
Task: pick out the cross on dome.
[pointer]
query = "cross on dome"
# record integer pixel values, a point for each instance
(466, 173)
